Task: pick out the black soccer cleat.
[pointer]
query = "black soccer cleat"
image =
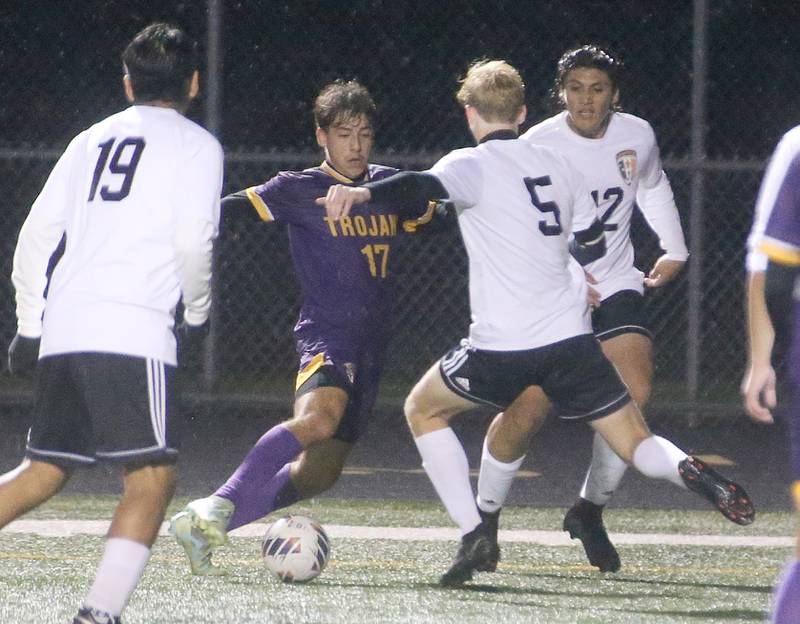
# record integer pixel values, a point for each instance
(584, 521)
(727, 496)
(490, 522)
(87, 615)
(475, 553)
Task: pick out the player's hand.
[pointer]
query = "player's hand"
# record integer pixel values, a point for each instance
(340, 199)
(758, 392)
(663, 271)
(23, 353)
(191, 339)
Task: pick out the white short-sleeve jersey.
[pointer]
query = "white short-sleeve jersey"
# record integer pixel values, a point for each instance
(517, 205)
(137, 197)
(622, 168)
(783, 160)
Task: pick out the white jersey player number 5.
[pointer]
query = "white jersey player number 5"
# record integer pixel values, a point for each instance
(546, 228)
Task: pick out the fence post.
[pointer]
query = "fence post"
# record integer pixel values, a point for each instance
(213, 92)
(698, 174)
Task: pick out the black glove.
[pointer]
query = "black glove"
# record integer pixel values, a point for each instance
(23, 353)
(191, 339)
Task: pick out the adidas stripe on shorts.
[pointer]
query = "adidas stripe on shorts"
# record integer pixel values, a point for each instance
(103, 406)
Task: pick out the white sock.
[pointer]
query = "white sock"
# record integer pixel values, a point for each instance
(445, 461)
(494, 480)
(117, 575)
(604, 474)
(658, 458)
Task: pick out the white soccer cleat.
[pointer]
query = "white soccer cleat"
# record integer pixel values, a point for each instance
(201, 527)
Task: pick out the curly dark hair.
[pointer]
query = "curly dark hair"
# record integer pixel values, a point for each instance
(340, 100)
(588, 56)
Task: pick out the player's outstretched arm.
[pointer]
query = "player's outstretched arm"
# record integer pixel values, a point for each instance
(758, 384)
(236, 202)
(408, 186)
(242, 207)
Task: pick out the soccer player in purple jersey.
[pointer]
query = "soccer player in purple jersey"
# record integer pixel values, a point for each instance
(774, 314)
(344, 269)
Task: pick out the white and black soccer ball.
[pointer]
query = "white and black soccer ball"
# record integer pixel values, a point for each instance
(296, 549)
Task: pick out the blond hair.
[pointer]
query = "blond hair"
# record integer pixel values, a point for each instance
(495, 89)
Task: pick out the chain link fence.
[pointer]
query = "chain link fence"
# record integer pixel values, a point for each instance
(60, 72)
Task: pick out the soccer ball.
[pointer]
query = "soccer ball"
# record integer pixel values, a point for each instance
(296, 549)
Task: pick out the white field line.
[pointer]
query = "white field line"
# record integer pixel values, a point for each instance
(66, 528)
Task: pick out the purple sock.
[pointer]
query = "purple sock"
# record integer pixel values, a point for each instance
(278, 493)
(249, 487)
(787, 596)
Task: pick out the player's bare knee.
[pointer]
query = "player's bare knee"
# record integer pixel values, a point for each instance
(411, 408)
(151, 480)
(418, 412)
(315, 424)
(47, 478)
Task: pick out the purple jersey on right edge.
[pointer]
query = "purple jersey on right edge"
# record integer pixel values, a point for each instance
(780, 242)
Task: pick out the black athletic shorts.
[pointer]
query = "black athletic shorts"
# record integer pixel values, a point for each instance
(360, 380)
(573, 373)
(103, 406)
(621, 313)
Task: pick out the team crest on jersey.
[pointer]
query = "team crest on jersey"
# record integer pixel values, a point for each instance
(626, 163)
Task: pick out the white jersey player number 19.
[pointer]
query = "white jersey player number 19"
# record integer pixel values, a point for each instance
(121, 163)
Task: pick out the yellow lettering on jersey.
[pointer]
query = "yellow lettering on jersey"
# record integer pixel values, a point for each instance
(378, 253)
(331, 225)
(358, 225)
(384, 223)
(373, 226)
(361, 225)
(346, 223)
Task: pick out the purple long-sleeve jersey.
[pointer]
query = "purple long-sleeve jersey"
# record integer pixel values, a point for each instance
(344, 267)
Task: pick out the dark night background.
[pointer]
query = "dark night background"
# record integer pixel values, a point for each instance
(59, 64)
(60, 71)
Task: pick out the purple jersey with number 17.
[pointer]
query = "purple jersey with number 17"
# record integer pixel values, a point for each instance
(344, 267)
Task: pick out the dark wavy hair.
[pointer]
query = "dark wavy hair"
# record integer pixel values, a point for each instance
(160, 62)
(588, 56)
(340, 100)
